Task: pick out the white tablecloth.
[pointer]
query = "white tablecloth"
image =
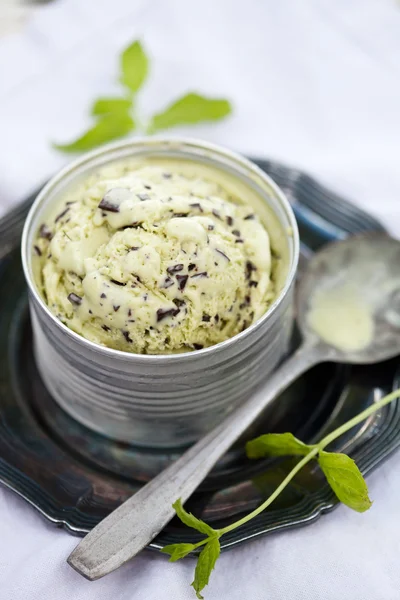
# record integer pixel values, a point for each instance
(314, 83)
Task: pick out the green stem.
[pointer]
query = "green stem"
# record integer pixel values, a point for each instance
(317, 447)
(358, 419)
(202, 542)
(274, 495)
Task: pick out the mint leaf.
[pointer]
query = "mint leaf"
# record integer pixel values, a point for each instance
(191, 108)
(276, 444)
(134, 66)
(205, 564)
(109, 127)
(177, 551)
(192, 521)
(345, 479)
(105, 106)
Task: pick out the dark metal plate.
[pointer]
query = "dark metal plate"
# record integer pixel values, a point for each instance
(75, 477)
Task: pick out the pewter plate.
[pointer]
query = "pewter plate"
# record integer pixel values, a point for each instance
(75, 477)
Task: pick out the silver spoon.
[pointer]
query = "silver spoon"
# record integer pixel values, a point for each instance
(362, 274)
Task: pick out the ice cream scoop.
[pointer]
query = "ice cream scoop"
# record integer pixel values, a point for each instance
(153, 261)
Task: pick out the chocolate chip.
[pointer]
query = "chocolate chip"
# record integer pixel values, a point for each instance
(247, 301)
(103, 295)
(117, 282)
(137, 278)
(199, 275)
(74, 299)
(216, 213)
(253, 284)
(37, 250)
(116, 307)
(245, 325)
(44, 232)
(196, 205)
(236, 232)
(90, 312)
(108, 206)
(182, 280)
(178, 302)
(275, 254)
(206, 318)
(143, 197)
(178, 215)
(147, 187)
(167, 283)
(229, 220)
(198, 346)
(211, 228)
(106, 328)
(162, 313)
(250, 267)
(61, 215)
(223, 254)
(239, 241)
(70, 202)
(134, 248)
(73, 274)
(134, 225)
(167, 175)
(191, 267)
(216, 318)
(126, 336)
(175, 268)
(129, 312)
(249, 217)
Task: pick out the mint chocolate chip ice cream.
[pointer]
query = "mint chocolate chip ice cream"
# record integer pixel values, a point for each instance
(155, 258)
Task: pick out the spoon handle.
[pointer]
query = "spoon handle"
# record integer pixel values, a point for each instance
(129, 528)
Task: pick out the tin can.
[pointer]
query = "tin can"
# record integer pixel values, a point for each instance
(167, 400)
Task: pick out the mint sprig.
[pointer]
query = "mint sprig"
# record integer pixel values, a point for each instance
(106, 106)
(276, 444)
(345, 479)
(192, 521)
(108, 128)
(115, 117)
(134, 67)
(205, 564)
(191, 108)
(340, 470)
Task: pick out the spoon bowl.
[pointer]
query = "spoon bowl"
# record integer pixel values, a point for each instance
(348, 301)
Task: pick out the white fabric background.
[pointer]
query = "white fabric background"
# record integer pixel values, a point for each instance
(314, 83)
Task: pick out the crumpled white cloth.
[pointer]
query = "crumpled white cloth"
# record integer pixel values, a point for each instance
(315, 84)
